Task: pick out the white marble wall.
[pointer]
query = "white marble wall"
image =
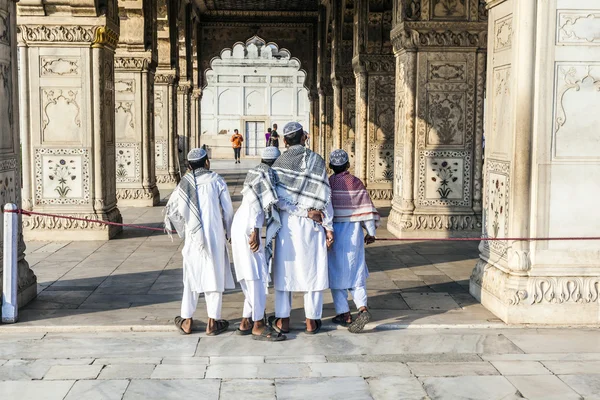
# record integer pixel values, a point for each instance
(542, 162)
(249, 84)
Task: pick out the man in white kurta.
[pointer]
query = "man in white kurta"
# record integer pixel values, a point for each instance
(250, 256)
(300, 260)
(200, 210)
(353, 211)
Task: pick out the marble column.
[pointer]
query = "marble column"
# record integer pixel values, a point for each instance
(10, 171)
(337, 129)
(313, 98)
(135, 65)
(541, 163)
(165, 98)
(196, 116)
(68, 62)
(362, 107)
(185, 85)
(440, 78)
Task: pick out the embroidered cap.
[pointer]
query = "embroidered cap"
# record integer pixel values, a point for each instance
(337, 158)
(291, 128)
(196, 154)
(270, 153)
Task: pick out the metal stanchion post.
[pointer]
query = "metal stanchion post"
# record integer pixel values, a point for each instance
(10, 308)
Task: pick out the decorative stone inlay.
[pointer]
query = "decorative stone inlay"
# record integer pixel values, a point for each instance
(578, 27)
(6, 107)
(61, 114)
(447, 72)
(503, 32)
(437, 186)
(4, 28)
(128, 159)
(125, 86)
(8, 181)
(410, 35)
(446, 116)
(496, 212)
(62, 176)
(61, 66)
(381, 168)
(161, 154)
(124, 118)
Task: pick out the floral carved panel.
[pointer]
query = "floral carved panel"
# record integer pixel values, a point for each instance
(449, 9)
(61, 115)
(125, 119)
(125, 86)
(60, 66)
(8, 182)
(578, 27)
(128, 160)
(159, 113)
(503, 33)
(445, 178)
(447, 72)
(62, 176)
(6, 107)
(381, 168)
(446, 118)
(577, 100)
(4, 28)
(161, 154)
(500, 110)
(496, 210)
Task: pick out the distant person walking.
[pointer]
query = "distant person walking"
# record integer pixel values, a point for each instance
(236, 143)
(274, 140)
(267, 137)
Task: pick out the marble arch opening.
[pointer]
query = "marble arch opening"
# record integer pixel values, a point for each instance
(106, 99)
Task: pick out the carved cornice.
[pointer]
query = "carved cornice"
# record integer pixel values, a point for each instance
(374, 63)
(259, 15)
(34, 222)
(93, 35)
(435, 222)
(136, 194)
(414, 35)
(170, 79)
(381, 194)
(130, 62)
(164, 179)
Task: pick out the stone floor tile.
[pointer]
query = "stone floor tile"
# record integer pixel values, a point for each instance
(573, 367)
(430, 301)
(257, 371)
(248, 389)
(452, 369)
(377, 369)
(404, 358)
(570, 341)
(127, 371)
(73, 372)
(326, 370)
(295, 359)
(185, 361)
(98, 390)
(179, 372)
(348, 388)
(587, 386)
(542, 357)
(35, 390)
(543, 387)
(131, 360)
(156, 389)
(520, 368)
(236, 359)
(395, 388)
(470, 388)
(15, 370)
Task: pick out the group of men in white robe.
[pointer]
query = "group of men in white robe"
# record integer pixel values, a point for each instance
(301, 207)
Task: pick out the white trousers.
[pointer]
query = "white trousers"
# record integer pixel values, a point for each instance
(340, 299)
(189, 302)
(255, 293)
(313, 304)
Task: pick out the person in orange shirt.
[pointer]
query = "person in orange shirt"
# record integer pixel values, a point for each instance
(236, 143)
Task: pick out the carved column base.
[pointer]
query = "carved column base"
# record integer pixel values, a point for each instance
(37, 227)
(27, 286)
(552, 300)
(167, 181)
(410, 224)
(138, 197)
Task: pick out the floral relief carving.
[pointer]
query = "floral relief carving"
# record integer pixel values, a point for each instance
(444, 71)
(446, 173)
(503, 32)
(449, 8)
(572, 78)
(6, 106)
(385, 122)
(496, 207)
(124, 118)
(4, 28)
(127, 159)
(62, 176)
(57, 33)
(7, 187)
(161, 154)
(446, 118)
(578, 28)
(437, 186)
(61, 114)
(62, 66)
(125, 86)
(501, 99)
(381, 168)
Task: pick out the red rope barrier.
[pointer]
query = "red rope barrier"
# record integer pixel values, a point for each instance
(458, 239)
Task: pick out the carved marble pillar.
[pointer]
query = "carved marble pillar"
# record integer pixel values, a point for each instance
(348, 116)
(541, 163)
(326, 120)
(10, 172)
(337, 129)
(195, 124)
(440, 78)
(314, 119)
(68, 63)
(165, 97)
(135, 65)
(184, 119)
(362, 107)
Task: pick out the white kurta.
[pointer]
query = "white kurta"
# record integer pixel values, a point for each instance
(210, 270)
(300, 261)
(347, 265)
(249, 265)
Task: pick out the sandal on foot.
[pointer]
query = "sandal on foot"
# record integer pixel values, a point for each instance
(342, 319)
(179, 324)
(317, 329)
(273, 324)
(359, 324)
(221, 326)
(269, 335)
(245, 332)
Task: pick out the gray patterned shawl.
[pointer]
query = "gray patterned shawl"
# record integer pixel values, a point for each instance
(260, 187)
(302, 178)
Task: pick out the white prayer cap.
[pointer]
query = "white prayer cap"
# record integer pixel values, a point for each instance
(291, 128)
(270, 153)
(196, 154)
(337, 158)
